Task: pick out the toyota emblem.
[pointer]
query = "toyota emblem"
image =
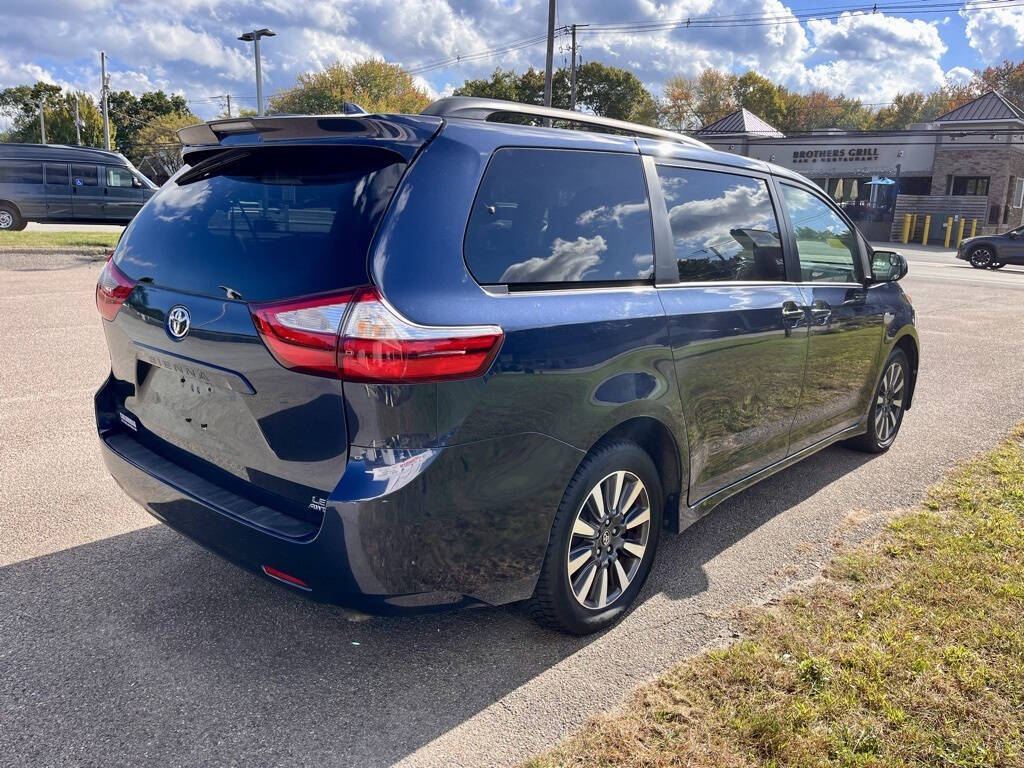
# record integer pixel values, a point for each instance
(178, 322)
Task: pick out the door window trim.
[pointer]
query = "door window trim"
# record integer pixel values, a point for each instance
(858, 263)
(666, 268)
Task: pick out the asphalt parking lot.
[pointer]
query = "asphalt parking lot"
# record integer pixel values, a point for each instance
(122, 643)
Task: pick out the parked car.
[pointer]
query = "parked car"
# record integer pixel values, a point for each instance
(402, 362)
(993, 251)
(53, 182)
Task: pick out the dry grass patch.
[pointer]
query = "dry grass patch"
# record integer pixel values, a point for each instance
(909, 652)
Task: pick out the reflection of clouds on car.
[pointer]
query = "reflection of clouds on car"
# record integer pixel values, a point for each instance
(569, 260)
(607, 214)
(708, 223)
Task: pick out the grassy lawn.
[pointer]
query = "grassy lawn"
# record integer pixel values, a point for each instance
(26, 239)
(909, 652)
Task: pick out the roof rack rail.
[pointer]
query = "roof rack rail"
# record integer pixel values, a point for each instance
(475, 108)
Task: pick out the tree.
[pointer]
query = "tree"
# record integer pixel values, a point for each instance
(600, 89)
(761, 96)
(129, 114)
(1007, 78)
(527, 88)
(905, 109)
(373, 84)
(159, 146)
(20, 103)
(694, 102)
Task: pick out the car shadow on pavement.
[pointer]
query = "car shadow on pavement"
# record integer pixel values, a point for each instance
(143, 647)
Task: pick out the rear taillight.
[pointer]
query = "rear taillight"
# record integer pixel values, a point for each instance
(376, 344)
(112, 288)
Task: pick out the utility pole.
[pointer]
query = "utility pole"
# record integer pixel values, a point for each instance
(572, 72)
(104, 87)
(551, 53)
(78, 123)
(42, 120)
(228, 97)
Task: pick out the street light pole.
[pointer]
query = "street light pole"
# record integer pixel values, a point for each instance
(78, 123)
(104, 87)
(254, 38)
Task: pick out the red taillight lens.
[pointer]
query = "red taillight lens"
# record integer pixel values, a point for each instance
(376, 345)
(303, 334)
(287, 578)
(112, 288)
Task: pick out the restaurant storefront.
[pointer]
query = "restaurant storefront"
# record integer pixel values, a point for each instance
(967, 163)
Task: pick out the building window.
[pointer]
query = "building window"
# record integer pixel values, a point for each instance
(1018, 193)
(972, 186)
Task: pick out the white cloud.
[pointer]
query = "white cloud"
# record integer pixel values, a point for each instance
(959, 76)
(568, 261)
(873, 56)
(996, 33)
(189, 46)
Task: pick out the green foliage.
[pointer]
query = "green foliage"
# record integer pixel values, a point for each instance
(1007, 78)
(373, 84)
(601, 89)
(20, 103)
(159, 144)
(130, 114)
(762, 97)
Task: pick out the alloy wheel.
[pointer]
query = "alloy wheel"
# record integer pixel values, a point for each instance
(981, 258)
(608, 540)
(6, 220)
(889, 402)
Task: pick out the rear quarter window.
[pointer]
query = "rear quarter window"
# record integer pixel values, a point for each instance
(544, 216)
(21, 172)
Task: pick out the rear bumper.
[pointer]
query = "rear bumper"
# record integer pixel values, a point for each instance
(402, 531)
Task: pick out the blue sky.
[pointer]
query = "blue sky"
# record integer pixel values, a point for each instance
(189, 46)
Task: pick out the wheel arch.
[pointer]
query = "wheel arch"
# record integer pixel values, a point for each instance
(657, 440)
(14, 205)
(910, 348)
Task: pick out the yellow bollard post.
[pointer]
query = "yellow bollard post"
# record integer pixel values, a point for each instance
(905, 235)
(974, 226)
(949, 231)
(927, 226)
(960, 232)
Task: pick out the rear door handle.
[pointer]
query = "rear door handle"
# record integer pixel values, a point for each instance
(790, 311)
(821, 310)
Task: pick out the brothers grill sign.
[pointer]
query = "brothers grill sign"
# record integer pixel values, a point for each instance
(849, 155)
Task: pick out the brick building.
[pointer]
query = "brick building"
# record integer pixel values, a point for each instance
(967, 163)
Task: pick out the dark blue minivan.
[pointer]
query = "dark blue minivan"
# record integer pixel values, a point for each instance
(400, 362)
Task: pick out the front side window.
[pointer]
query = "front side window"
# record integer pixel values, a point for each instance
(84, 175)
(560, 216)
(57, 173)
(21, 172)
(723, 226)
(119, 177)
(825, 243)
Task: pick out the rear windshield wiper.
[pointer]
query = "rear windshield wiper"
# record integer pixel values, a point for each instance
(206, 167)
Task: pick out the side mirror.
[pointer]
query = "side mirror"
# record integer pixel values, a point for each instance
(888, 266)
(136, 183)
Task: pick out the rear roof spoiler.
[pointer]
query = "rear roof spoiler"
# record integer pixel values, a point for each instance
(404, 134)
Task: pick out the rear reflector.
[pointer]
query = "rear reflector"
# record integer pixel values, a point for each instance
(112, 288)
(356, 336)
(287, 578)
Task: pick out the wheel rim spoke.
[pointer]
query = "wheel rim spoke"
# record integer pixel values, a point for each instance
(582, 528)
(634, 493)
(640, 517)
(597, 497)
(579, 560)
(621, 573)
(620, 478)
(636, 550)
(602, 588)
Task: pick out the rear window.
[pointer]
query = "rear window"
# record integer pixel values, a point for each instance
(546, 216)
(264, 223)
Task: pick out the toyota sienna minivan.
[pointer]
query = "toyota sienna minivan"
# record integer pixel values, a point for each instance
(400, 362)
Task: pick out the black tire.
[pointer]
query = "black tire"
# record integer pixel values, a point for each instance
(879, 438)
(555, 603)
(981, 257)
(10, 219)
(996, 265)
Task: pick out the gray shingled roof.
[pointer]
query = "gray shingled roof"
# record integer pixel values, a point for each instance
(742, 121)
(989, 106)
